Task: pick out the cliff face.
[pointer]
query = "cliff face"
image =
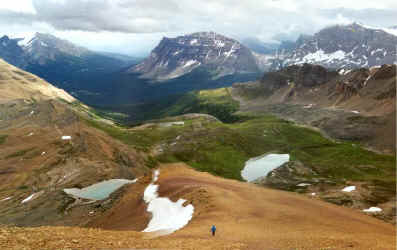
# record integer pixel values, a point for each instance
(217, 54)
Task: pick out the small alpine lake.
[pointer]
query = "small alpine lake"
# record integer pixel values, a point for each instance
(260, 166)
(100, 190)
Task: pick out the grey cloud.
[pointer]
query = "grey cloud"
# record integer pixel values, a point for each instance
(12, 17)
(86, 16)
(375, 17)
(263, 19)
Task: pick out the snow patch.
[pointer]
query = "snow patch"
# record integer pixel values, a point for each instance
(169, 124)
(167, 216)
(231, 51)
(189, 63)
(376, 51)
(387, 30)
(193, 42)
(372, 210)
(366, 80)
(150, 193)
(30, 42)
(321, 56)
(156, 175)
(219, 43)
(28, 198)
(6, 199)
(349, 189)
(303, 184)
(27, 38)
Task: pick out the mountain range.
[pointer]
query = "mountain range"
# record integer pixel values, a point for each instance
(59, 61)
(190, 62)
(341, 46)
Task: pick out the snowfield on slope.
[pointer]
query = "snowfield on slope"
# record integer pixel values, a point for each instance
(167, 216)
(373, 210)
(32, 196)
(349, 189)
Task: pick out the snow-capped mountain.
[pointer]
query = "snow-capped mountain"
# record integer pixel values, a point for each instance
(45, 47)
(217, 54)
(344, 46)
(40, 49)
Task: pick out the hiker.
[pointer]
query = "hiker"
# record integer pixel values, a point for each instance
(213, 229)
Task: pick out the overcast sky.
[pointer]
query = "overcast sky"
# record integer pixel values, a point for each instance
(135, 26)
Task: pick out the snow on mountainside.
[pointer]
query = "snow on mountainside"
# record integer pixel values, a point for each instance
(391, 30)
(344, 46)
(217, 54)
(43, 47)
(38, 48)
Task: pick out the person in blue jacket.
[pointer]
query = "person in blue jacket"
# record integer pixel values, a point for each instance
(213, 229)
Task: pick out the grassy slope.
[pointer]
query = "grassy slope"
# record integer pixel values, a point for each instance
(222, 149)
(218, 103)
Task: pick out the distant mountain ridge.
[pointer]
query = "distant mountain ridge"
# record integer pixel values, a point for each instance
(59, 61)
(44, 47)
(217, 54)
(340, 46)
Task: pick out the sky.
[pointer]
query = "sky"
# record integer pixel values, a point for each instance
(135, 27)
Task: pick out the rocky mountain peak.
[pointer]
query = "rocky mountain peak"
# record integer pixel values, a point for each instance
(219, 55)
(344, 46)
(46, 47)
